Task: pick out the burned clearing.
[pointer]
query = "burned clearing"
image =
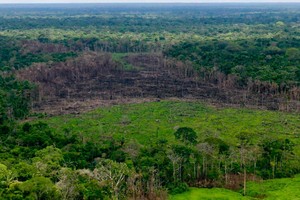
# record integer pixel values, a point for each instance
(94, 79)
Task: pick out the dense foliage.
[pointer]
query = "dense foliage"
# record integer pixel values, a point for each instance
(274, 59)
(15, 98)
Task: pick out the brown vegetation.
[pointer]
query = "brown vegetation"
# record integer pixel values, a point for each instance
(94, 79)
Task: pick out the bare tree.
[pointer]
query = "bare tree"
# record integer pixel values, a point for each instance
(175, 159)
(112, 173)
(68, 184)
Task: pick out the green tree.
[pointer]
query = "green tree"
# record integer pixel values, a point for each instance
(6, 176)
(48, 161)
(186, 135)
(293, 54)
(39, 188)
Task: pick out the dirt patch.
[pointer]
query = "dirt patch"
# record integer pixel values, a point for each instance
(62, 106)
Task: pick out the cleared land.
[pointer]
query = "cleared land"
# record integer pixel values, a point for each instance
(159, 120)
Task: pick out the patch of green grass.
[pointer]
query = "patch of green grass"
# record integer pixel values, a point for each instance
(123, 64)
(279, 189)
(276, 189)
(208, 194)
(158, 120)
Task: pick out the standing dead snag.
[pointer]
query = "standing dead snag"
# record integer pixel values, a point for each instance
(112, 172)
(246, 153)
(175, 159)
